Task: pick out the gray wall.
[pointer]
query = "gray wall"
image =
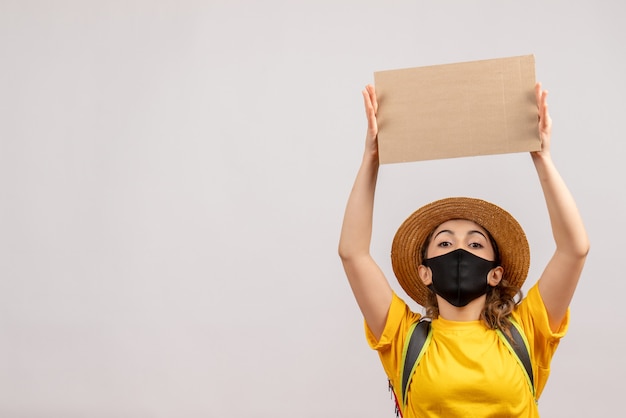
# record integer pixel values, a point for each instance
(173, 177)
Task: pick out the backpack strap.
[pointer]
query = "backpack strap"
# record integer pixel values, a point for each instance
(420, 335)
(519, 347)
(416, 343)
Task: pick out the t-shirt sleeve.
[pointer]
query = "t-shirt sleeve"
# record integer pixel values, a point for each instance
(391, 343)
(533, 317)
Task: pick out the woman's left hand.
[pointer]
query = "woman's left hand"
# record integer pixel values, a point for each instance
(544, 120)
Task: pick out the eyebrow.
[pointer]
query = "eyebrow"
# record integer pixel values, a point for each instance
(473, 231)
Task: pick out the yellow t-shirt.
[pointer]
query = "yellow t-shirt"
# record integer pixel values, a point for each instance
(467, 371)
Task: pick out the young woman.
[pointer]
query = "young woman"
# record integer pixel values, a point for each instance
(465, 261)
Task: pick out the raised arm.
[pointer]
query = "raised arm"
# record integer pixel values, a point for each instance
(560, 277)
(369, 285)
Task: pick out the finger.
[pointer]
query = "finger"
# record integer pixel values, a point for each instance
(544, 105)
(369, 89)
(369, 109)
(544, 98)
(538, 93)
(366, 101)
(373, 98)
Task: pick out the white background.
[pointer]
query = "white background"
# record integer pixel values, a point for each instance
(173, 176)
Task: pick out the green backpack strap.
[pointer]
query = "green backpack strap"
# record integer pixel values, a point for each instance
(416, 343)
(519, 347)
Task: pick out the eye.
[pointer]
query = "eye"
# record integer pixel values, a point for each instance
(476, 245)
(444, 244)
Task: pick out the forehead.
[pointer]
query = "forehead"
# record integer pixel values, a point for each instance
(459, 226)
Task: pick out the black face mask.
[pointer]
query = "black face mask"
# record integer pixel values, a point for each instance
(459, 276)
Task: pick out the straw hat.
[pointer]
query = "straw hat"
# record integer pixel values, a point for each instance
(412, 234)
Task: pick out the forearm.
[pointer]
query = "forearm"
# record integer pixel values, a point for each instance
(356, 231)
(567, 225)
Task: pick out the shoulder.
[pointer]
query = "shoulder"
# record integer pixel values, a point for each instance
(400, 317)
(532, 314)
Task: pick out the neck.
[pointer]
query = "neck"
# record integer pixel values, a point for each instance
(469, 312)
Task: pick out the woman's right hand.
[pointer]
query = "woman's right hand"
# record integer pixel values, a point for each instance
(371, 108)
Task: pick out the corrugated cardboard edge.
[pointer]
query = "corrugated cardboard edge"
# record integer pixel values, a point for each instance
(456, 110)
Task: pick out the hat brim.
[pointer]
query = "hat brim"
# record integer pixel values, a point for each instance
(409, 239)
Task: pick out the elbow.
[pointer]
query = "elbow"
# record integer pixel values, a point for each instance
(341, 253)
(581, 250)
(344, 252)
(348, 252)
(585, 249)
(575, 248)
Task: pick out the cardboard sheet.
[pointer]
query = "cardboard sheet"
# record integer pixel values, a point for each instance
(457, 110)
